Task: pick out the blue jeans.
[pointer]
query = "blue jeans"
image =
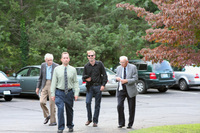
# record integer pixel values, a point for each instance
(67, 100)
(96, 92)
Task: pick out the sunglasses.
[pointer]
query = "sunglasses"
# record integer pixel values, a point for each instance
(90, 55)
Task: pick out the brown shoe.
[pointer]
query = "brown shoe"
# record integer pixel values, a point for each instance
(95, 125)
(88, 123)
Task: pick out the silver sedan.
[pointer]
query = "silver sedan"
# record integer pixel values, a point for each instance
(187, 77)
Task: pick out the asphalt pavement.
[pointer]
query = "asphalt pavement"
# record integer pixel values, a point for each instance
(24, 115)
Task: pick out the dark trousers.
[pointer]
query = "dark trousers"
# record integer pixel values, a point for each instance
(68, 101)
(120, 108)
(96, 92)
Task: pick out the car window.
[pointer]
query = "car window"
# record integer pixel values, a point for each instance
(178, 69)
(23, 72)
(137, 65)
(79, 71)
(164, 66)
(3, 77)
(142, 67)
(35, 71)
(109, 72)
(192, 69)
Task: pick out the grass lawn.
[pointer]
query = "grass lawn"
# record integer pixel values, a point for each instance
(187, 128)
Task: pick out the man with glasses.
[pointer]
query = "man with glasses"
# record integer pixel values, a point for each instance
(127, 77)
(44, 83)
(96, 78)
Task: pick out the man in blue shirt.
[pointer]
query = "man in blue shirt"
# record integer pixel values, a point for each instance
(44, 84)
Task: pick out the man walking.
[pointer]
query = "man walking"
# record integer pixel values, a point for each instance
(64, 89)
(44, 83)
(127, 76)
(95, 75)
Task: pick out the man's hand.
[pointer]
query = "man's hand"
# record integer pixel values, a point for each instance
(88, 79)
(75, 97)
(102, 88)
(37, 91)
(124, 81)
(118, 78)
(53, 98)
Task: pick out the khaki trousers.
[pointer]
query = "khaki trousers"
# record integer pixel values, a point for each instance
(43, 100)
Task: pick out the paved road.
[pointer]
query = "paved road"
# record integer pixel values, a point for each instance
(24, 115)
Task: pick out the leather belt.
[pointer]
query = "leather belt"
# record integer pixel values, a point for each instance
(96, 84)
(64, 90)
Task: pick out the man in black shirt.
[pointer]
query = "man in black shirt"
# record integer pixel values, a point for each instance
(96, 78)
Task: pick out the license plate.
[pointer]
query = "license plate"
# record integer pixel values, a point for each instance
(164, 75)
(6, 92)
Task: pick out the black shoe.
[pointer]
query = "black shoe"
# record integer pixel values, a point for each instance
(120, 126)
(94, 124)
(60, 131)
(129, 127)
(46, 120)
(53, 124)
(71, 129)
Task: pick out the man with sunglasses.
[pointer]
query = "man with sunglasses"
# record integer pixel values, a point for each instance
(96, 78)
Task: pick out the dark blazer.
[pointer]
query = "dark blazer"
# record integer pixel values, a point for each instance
(131, 76)
(42, 79)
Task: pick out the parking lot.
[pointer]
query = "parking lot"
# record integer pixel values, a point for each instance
(24, 115)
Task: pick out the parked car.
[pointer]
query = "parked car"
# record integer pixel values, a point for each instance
(82, 84)
(8, 88)
(28, 78)
(187, 76)
(110, 87)
(154, 75)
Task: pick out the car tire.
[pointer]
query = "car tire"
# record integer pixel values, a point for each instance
(8, 98)
(112, 93)
(162, 89)
(141, 87)
(183, 85)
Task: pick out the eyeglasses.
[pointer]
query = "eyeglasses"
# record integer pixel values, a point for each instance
(122, 62)
(90, 55)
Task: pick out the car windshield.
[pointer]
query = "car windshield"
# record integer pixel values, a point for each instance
(162, 67)
(192, 69)
(3, 77)
(79, 71)
(109, 72)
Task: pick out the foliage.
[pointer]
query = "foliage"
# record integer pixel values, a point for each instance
(176, 27)
(24, 47)
(31, 29)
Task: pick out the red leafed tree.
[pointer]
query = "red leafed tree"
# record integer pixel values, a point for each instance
(176, 27)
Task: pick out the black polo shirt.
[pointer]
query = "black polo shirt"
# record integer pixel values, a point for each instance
(97, 73)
